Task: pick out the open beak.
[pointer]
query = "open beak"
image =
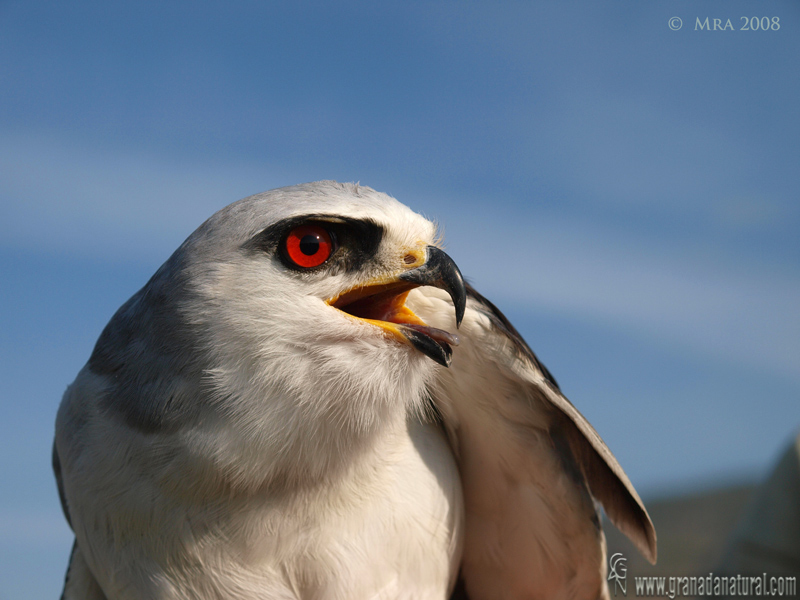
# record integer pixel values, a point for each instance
(383, 304)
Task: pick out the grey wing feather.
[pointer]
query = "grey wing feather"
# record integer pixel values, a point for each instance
(604, 475)
(607, 481)
(507, 384)
(503, 325)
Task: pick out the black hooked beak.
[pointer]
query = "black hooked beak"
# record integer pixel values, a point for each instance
(438, 271)
(383, 304)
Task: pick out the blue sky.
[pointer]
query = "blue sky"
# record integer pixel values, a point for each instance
(626, 193)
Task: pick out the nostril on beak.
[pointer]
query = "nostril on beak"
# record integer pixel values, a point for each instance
(409, 259)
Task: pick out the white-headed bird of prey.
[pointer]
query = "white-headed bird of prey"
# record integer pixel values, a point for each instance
(279, 413)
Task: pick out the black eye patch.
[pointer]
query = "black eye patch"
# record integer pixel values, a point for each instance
(355, 241)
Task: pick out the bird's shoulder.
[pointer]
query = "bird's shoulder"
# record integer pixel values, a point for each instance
(515, 435)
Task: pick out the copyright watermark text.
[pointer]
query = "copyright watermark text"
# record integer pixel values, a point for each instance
(765, 23)
(711, 585)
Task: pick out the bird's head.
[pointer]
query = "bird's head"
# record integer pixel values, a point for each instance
(291, 304)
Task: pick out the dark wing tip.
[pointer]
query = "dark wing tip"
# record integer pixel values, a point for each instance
(611, 487)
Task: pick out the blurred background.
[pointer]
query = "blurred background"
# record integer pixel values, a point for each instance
(624, 190)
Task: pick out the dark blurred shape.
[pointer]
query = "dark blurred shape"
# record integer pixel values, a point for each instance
(692, 531)
(767, 540)
(738, 530)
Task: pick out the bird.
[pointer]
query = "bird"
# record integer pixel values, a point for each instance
(308, 401)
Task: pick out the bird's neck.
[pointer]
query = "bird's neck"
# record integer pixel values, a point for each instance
(302, 454)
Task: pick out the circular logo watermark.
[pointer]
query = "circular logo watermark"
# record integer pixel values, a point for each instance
(675, 23)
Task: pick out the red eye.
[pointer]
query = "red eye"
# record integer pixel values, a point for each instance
(309, 246)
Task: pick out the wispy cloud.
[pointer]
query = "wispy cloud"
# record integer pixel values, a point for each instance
(141, 207)
(742, 313)
(62, 197)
